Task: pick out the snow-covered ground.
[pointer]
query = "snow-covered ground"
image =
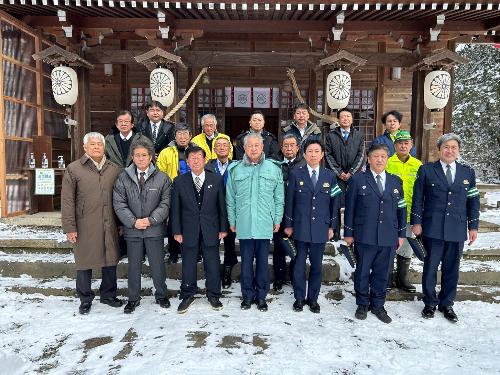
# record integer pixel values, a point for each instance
(41, 334)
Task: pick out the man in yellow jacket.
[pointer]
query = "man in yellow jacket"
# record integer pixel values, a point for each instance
(405, 166)
(206, 138)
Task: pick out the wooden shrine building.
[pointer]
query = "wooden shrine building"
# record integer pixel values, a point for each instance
(247, 46)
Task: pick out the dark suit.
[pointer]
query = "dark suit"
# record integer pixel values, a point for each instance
(445, 212)
(199, 218)
(310, 210)
(375, 221)
(279, 253)
(271, 149)
(164, 134)
(230, 258)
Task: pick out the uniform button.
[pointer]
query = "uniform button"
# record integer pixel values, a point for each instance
(314, 197)
(449, 193)
(447, 214)
(380, 221)
(313, 218)
(381, 202)
(381, 212)
(314, 208)
(449, 203)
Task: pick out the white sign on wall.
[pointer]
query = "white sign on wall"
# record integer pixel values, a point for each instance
(44, 181)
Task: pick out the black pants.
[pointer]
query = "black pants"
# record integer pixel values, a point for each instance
(84, 284)
(279, 257)
(211, 265)
(156, 257)
(230, 258)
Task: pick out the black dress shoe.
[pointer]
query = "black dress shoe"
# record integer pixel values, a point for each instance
(278, 285)
(448, 313)
(246, 304)
(185, 304)
(215, 303)
(314, 307)
(381, 314)
(84, 308)
(226, 277)
(361, 312)
(130, 306)
(428, 312)
(113, 302)
(298, 305)
(163, 302)
(262, 305)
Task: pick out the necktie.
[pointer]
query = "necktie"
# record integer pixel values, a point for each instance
(154, 132)
(346, 134)
(314, 178)
(379, 184)
(448, 175)
(142, 180)
(197, 184)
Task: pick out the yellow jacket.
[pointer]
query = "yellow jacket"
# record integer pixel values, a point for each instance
(408, 173)
(168, 161)
(201, 141)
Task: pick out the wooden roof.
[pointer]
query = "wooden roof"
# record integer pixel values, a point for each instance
(314, 10)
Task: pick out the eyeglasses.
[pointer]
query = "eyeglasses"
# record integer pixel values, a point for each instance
(126, 122)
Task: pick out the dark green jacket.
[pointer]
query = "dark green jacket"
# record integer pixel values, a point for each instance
(112, 149)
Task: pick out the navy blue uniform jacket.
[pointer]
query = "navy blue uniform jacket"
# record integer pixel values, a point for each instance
(311, 211)
(371, 218)
(445, 211)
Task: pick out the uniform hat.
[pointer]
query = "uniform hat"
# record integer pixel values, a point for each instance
(289, 247)
(402, 135)
(348, 252)
(418, 247)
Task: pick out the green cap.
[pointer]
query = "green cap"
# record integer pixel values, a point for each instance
(402, 135)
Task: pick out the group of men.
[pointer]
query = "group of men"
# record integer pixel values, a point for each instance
(258, 191)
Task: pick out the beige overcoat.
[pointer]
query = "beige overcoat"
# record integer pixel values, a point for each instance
(87, 208)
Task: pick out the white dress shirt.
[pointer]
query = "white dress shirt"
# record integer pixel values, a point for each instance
(129, 135)
(201, 177)
(145, 173)
(382, 178)
(453, 167)
(310, 169)
(222, 167)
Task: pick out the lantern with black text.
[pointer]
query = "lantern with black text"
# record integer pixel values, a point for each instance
(437, 86)
(161, 82)
(64, 85)
(338, 89)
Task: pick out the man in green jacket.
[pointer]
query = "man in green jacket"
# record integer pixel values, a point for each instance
(120, 138)
(255, 200)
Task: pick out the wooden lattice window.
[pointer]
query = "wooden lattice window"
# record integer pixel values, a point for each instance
(362, 104)
(139, 97)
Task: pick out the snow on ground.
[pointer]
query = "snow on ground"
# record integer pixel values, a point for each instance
(41, 334)
(18, 232)
(492, 198)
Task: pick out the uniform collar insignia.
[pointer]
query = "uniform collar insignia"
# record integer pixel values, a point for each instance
(466, 182)
(326, 185)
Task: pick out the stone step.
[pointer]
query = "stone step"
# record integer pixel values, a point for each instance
(486, 254)
(66, 288)
(24, 246)
(487, 227)
(49, 266)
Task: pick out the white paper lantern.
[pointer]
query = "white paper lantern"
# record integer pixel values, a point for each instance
(437, 87)
(161, 82)
(338, 89)
(64, 85)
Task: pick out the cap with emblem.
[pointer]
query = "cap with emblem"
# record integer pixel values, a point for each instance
(402, 135)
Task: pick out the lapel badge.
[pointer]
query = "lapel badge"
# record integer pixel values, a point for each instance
(301, 183)
(466, 182)
(209, 186)
(326, 185)
(396, 191)
(363, 187)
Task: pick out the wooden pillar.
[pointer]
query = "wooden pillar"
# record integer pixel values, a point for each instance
(3, 186)
(124, 91)
(81, 112)
(380, 109)
(312, 95)
(448, 110)
(192, 110)
(420, 114)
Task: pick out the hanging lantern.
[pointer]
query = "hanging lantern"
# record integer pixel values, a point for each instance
(437, 87)
(64, 85)
(161, 81)
(338, 89)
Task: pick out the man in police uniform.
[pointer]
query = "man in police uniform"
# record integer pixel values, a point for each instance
(312, 202)
(445, 203)
(375, 220)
